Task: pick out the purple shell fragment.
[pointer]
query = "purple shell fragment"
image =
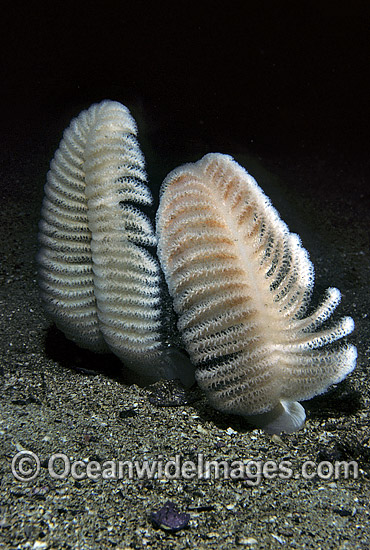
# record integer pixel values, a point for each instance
(169, 518)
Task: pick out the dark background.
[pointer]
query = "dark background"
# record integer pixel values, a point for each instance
(270, 78)
(281, 85)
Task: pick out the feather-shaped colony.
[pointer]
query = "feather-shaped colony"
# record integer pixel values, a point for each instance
(241, 284)
(98, 282)
(240, 281)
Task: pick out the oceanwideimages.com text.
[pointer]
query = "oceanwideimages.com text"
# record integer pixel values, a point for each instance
(26, 466)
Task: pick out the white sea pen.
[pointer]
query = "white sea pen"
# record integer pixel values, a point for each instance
(241, 284)
(98, 282)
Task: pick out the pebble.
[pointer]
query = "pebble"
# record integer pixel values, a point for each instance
(246, 541)
(212, 535)
(279, 539)
(169, 518)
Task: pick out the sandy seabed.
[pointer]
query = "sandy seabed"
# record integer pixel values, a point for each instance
(56, 398)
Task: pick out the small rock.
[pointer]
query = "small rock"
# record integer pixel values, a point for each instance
(279, 539)
(212, 535)
(169, 518)
(246, 541)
